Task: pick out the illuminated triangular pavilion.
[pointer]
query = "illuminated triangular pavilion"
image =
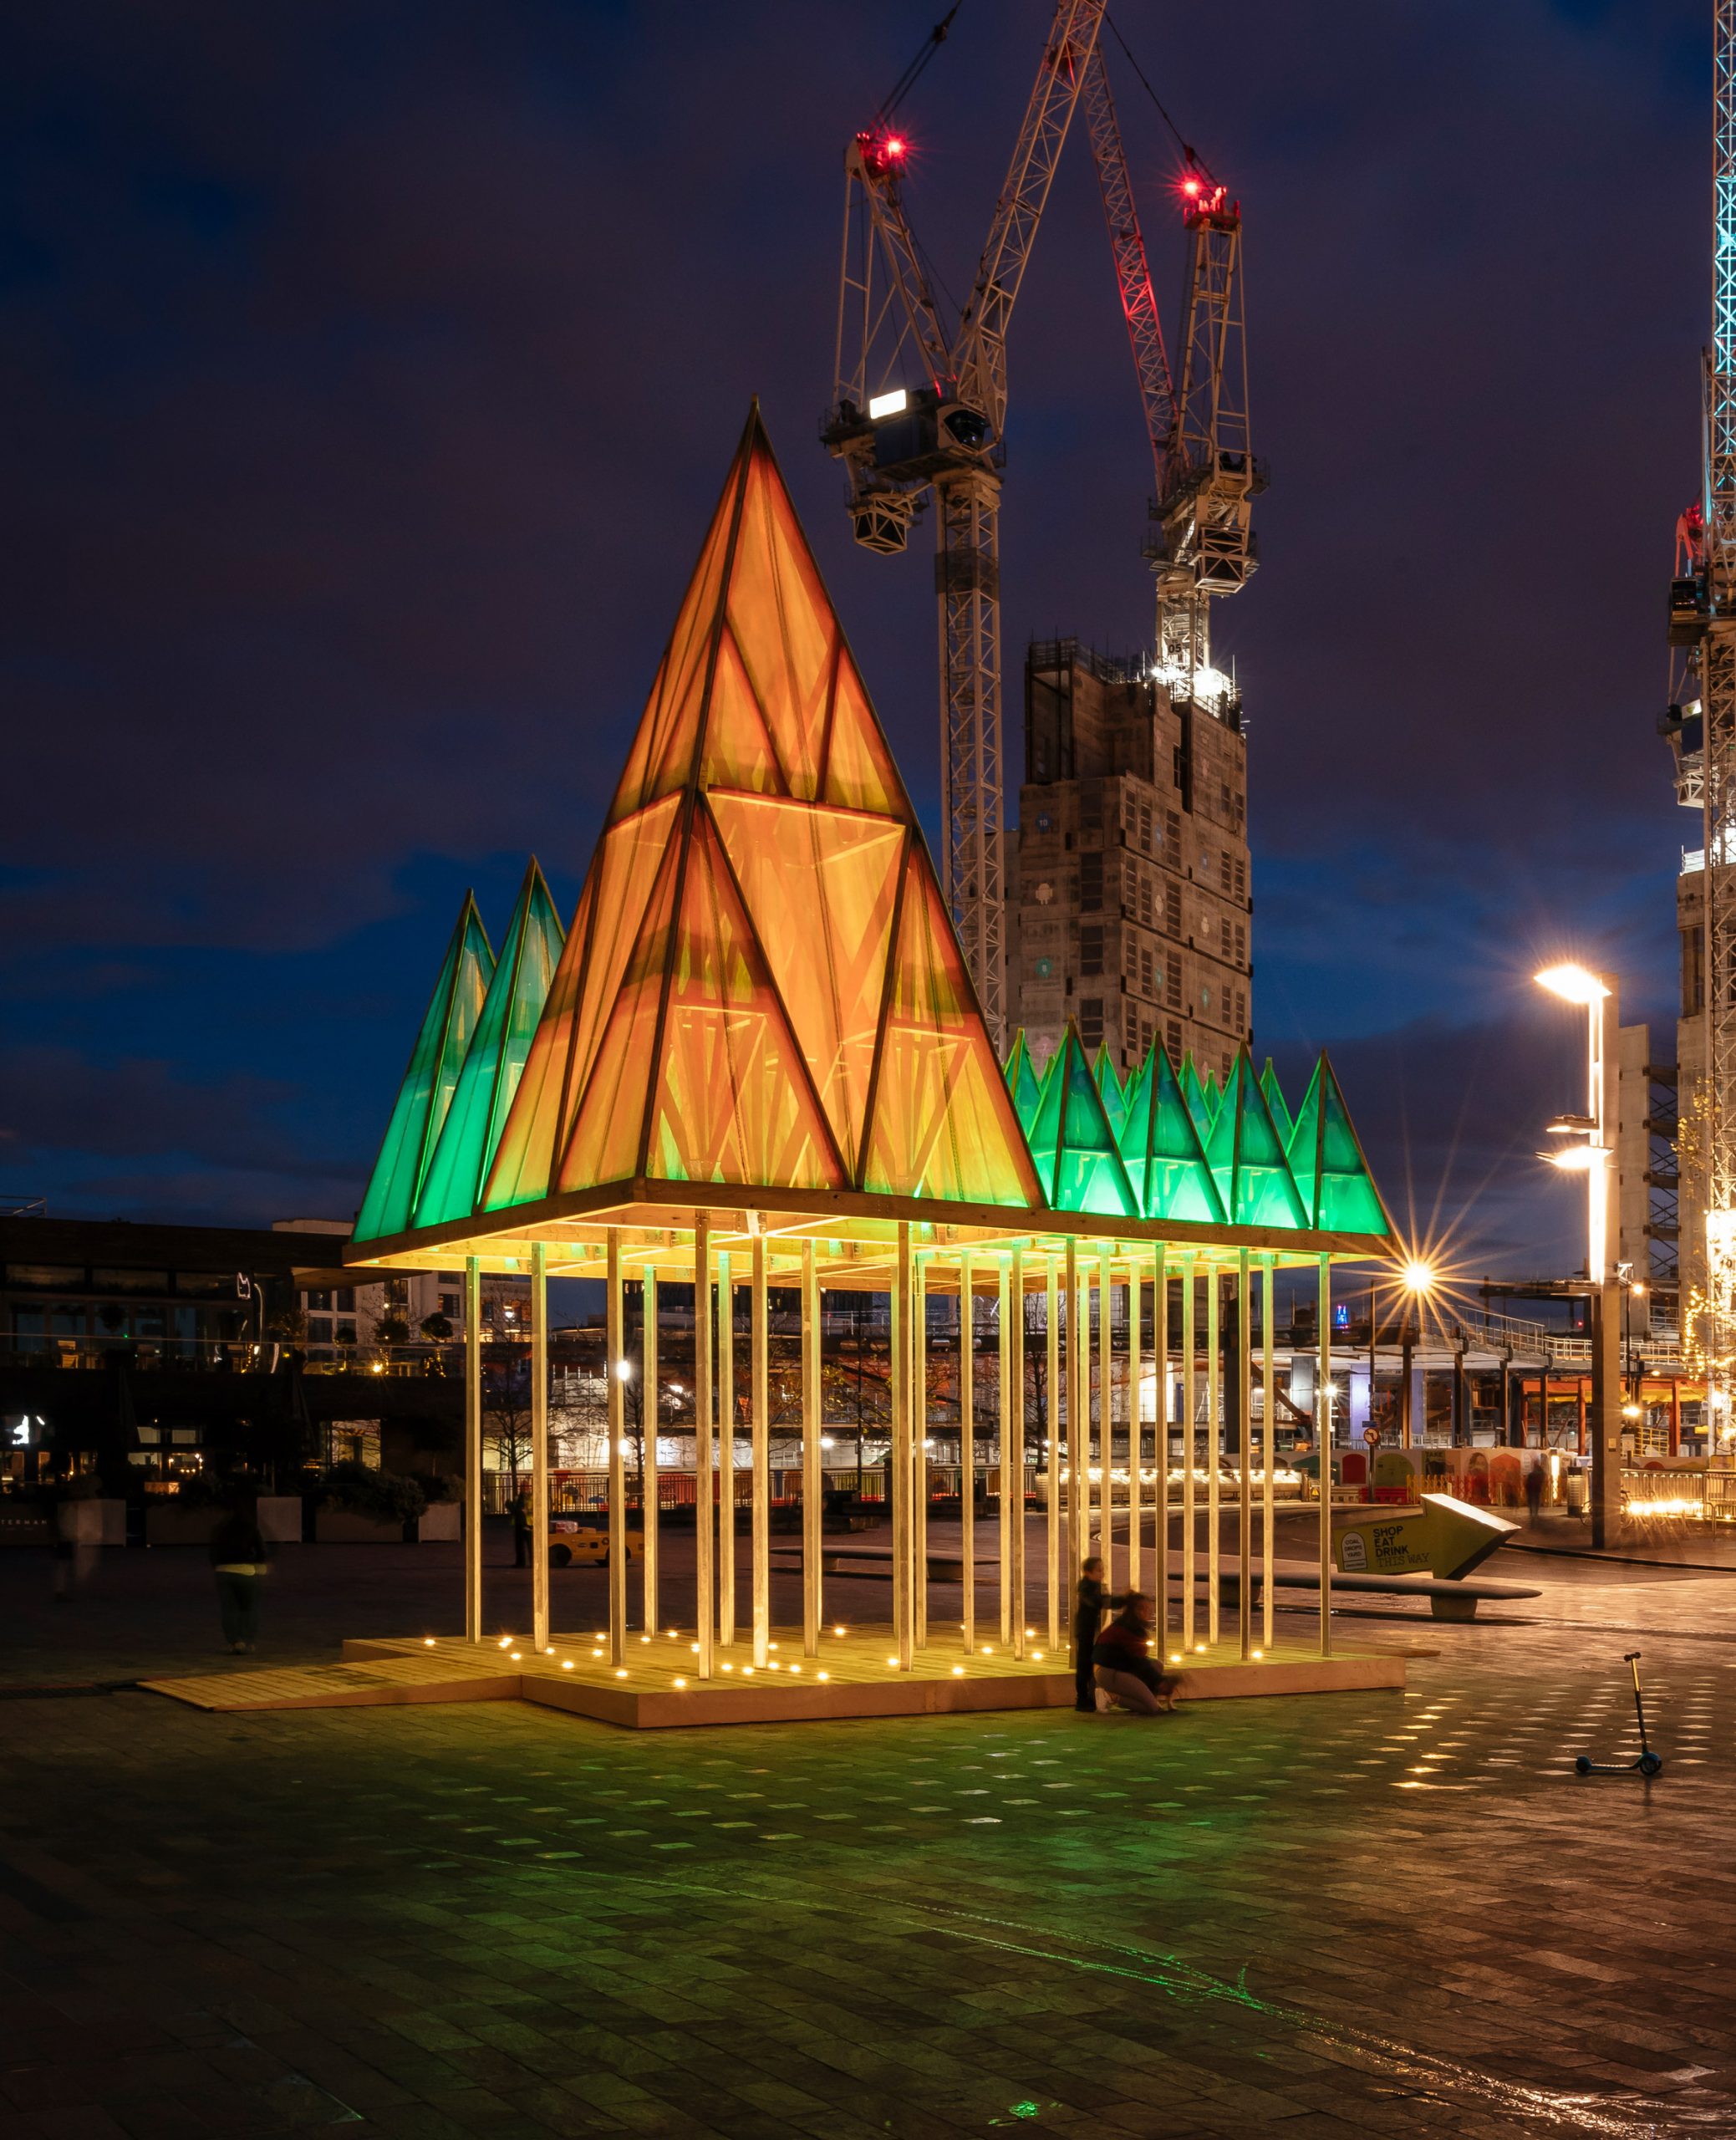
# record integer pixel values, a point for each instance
(1282, 1119)
(419, 1113)
(762, 986)
(1193, 1091)
(1109, 1084)
(1246, 1155)
(1165, 1161)
(1022, 1082)
(1326, 1159)
(1071, 1139)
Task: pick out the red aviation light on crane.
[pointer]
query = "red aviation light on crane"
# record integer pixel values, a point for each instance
(883, 154)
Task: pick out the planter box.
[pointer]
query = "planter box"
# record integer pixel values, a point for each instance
(337, 1526)
(280, 1519)
(439, 1524)
(166, 1525)
(94, 1523)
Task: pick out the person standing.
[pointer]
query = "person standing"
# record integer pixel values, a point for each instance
(1533, 1491)
(521, 1528)
(1088, 1603)
(237, 1559)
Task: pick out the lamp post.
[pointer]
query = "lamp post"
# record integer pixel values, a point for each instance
(1417, 1279)
(1597, 994)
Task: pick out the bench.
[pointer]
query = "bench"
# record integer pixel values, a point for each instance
(873, 1563)
(1450, 1598)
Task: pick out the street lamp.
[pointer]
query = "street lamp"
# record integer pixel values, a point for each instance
(1416, 1279)
(1595, 1158)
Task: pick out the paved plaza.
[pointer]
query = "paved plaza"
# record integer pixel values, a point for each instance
(1364, 1912)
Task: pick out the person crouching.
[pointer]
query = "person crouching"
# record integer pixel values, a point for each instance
(1122, 1664)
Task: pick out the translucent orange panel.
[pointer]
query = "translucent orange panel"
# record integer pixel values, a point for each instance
(859, 772)
(586, 982)
(944, 1121)
(782, 623)
(660, 758)
(820, 886)
(731, 1101)
(611, 1102)
(738, 750)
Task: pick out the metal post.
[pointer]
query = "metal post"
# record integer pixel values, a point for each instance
(1213, 1450)
(903, 1601)
(1190, 1444)
(705, 1513)
(761, 1430)
(539, 1445)
(1268, 1372)
(472, 1449)
(967, 1454)
(1013, 1465)
(1245, 1527)
(617, 1352)
(1076, 1403)
(1323, 1443)
(919, 1456)
(1106, 1416)
(1605, 1423)
(1160, 1435)
(725, 1454)
(1052, 1423)
(813, 1480)
(1003, 1472)
(650, 1411)
(1135, 1434)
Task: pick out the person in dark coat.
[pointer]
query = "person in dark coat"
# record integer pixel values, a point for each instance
(1533, 1491)
(521, 1528)
(1126, 1675)
(1088, 1603)
(237, 1553)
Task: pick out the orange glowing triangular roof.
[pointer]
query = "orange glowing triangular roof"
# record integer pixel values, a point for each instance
(762, 986)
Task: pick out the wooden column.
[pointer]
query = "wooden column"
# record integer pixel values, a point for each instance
(704, 1475)
(813, 1476)
(650, 1411)
(1160, 1437)
(903, 1587)
(1013, 1466)
(726, 1453)
(1269, 1448)
(1105, 1418)
(617, 1352)
(919, 1456)
(1136, 1498)
(1077, 1397)
(761, 1481)
(1051, 1424)
(1323, 1443)
(1190, 1446)
(472, 1449)
(539, 1444)
(1245, 1527)
(1214, 1448)
(1004, 1570)
(967, 1454)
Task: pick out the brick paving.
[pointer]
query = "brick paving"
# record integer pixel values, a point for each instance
(1351, 1915)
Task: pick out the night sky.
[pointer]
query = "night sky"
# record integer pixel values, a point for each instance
(371, 373)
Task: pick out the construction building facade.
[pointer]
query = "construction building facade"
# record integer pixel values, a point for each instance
(1129, 896)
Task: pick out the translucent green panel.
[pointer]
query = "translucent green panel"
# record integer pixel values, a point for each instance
(1021, 1081)
(1075, 1147)
(1273, 1092)
(1109, 1085)
(420, 1113)
(1327, 1160)
(1199, 1106)
(1247, 1158)
(496, 1059)
(1162, 1151)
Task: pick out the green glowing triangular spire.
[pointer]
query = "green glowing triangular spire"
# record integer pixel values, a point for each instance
(1247, 1157)
(1327, 1161)
(1273, 1094)
(1162, 1151)
(496, 1058)
(1199, 1106)
(420, 1113)
(1109, 1085)
(1021, 1081)
(1071, 1141)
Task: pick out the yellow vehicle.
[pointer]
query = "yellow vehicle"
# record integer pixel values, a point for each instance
(582, 1542)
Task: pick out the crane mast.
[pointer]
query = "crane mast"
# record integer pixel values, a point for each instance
(898, 443)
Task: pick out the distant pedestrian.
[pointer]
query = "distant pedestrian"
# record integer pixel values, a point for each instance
(1125, 1674)
(1533, 1491)
(521, 1528)
(1088, 1603)
(236, 1552)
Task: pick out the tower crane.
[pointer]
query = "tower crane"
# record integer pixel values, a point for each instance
(1703, 627)
(899, 442)
(1206, 476)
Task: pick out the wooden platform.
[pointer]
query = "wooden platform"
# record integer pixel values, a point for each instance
(851, 1677)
